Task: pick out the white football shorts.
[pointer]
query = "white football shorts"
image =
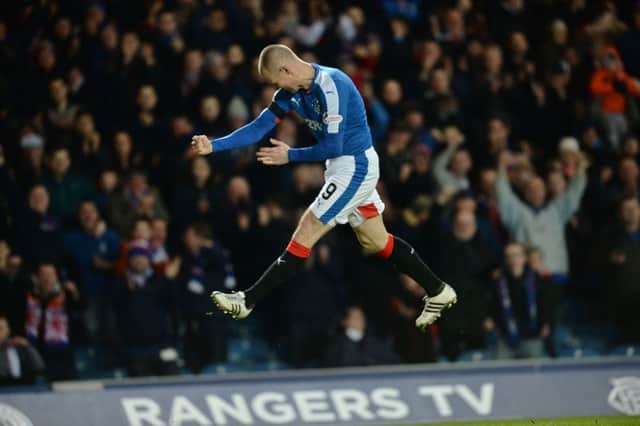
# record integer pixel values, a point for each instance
(349, 193)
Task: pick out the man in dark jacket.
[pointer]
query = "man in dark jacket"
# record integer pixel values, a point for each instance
(315, 299)
(67, 190)
(624, 267)
(523, 307)
(144, 301)
(356, 346)
(92, 251)
(20, 363)
(38, 232)
(465, 260)
(205, 267)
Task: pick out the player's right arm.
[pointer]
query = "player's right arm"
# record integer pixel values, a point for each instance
(251, 132)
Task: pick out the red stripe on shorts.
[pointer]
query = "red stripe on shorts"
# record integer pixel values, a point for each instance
(368, 210)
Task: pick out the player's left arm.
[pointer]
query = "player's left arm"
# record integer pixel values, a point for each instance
(249, 133)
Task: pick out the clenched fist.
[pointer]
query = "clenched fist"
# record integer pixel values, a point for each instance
(201, 145)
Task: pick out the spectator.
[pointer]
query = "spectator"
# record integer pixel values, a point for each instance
(136, 200)
(144, 301)
(240, 235)
(205, 267)
(538, 222)
(441, 104)
(195, 201)
(157, 245)
(628, 176)
(488, 202)
(410, 343)
(624, 267)
(140, 237)
(123, 158)
(416, 178)
(31, 170)
(50, 307)
(209, 121)
(465, 259)
(61, 113)
(356, 345)
(87, 151)
(92, 250)
(523, 307)
(147, 128)
(190, 84)
(108, 184)
(459, 160)
(40, 231)
(20, 363)
(613, 87)
(13, 288)
(66, 189)
(395, 156)
(215, 34)
(315, 304)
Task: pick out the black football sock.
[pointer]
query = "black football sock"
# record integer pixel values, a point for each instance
(290, 262)
(406, 260)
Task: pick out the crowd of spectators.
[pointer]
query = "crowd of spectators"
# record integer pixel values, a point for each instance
(507, 134)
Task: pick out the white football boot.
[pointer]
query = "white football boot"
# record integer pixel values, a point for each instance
(433, 306)
(232, 304)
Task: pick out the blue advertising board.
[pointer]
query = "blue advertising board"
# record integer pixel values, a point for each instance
(391, 395)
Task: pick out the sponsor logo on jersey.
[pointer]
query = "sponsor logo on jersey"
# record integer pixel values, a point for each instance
(337, 118)
(313, 125)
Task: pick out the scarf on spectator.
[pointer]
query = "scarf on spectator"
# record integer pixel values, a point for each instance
(54, 325)
(513, 334)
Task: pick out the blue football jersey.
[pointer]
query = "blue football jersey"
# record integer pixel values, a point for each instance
(332, 108)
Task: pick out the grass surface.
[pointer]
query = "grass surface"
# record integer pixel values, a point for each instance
(566, 421)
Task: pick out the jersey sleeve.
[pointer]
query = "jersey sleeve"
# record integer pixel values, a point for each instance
(254, 131)
(336, 97)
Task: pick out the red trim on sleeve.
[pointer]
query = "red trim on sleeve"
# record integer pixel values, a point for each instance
(388, 249)
(368, 211)
(277, 120)
(298, 249)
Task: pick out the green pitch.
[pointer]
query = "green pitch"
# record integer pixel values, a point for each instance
(564, 421)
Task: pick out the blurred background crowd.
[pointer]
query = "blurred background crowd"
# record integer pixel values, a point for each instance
(509, 158)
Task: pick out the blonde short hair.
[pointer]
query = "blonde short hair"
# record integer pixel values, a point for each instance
(273, 56)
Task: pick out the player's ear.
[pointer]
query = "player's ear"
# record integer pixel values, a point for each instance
(285, 70)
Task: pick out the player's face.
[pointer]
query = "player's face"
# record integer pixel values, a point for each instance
(281, 78)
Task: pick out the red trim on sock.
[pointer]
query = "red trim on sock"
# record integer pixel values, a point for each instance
(368, 210)
(298, 250)
(388, 249)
